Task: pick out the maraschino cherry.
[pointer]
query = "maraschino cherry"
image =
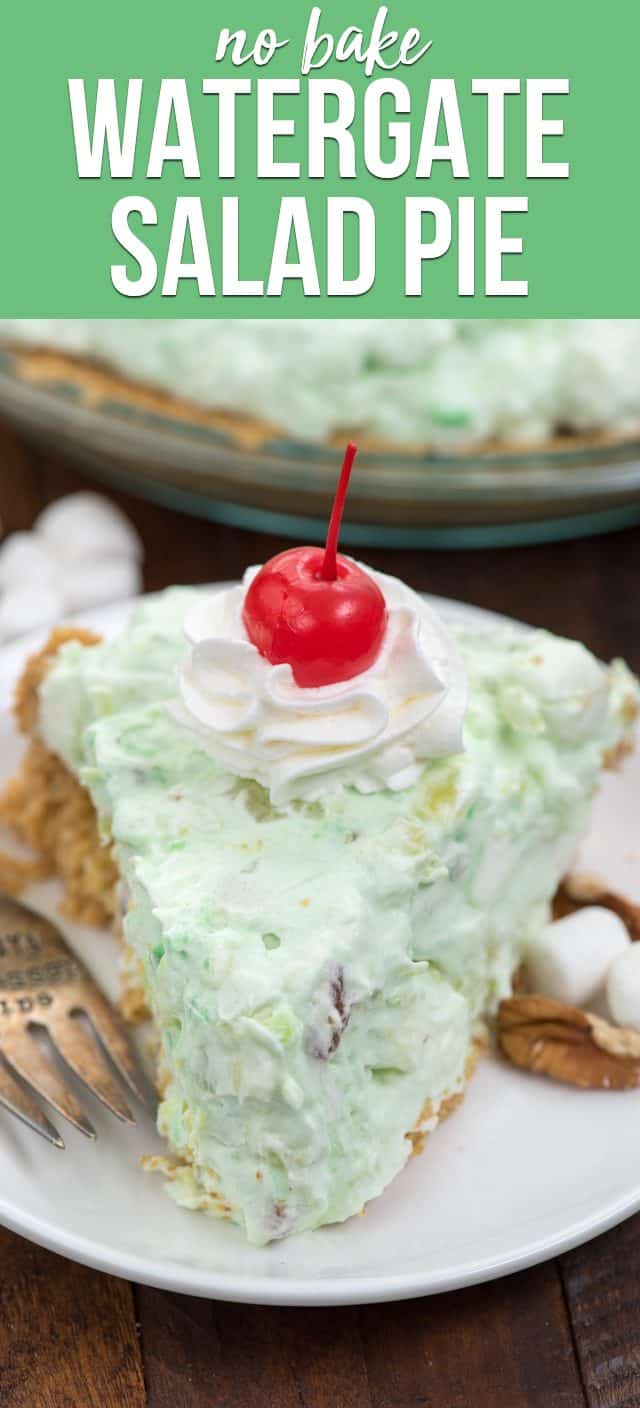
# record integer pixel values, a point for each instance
(315, 610)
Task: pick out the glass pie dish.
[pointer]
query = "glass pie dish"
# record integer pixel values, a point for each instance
(241, 471)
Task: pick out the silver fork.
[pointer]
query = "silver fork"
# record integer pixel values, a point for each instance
(44, 988)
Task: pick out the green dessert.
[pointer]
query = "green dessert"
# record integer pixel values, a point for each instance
(325, 887)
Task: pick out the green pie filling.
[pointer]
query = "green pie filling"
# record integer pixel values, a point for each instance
(315, 973)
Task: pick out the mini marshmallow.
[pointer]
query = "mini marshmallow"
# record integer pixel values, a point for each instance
(28, 608)
(571, 958)
(82, 552)
(25, 561)
(86, 526)
(102, 581)
(623, 987)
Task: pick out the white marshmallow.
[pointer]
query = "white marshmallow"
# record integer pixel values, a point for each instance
(623, 987)
(82, 552)
(27, 563)
(27, 608)
(87, 525)
(571, 958)
(96, 583)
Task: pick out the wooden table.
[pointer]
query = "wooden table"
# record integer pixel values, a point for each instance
(560, 1336)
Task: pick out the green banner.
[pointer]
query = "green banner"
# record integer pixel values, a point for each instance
(245, 160)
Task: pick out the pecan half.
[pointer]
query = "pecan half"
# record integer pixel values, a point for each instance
(567, 1044)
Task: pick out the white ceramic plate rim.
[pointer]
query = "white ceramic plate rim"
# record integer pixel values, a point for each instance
(357, 1290)
(299, 1291)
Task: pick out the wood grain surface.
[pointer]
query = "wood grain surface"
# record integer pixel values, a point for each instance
(563, 1335)
(67, 1334)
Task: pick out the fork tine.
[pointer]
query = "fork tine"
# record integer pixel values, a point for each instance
(116, 1042)
(20, 1103)
(22, 1052)
(83, 1056)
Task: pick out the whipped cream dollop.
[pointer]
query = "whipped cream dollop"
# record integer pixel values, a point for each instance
(371, 732)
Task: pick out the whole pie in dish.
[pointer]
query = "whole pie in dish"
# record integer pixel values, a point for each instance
(323, 889)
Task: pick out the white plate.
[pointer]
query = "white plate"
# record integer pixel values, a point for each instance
(522, 1171)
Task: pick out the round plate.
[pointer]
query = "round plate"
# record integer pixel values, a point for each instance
(522, 1171)
(238, 471)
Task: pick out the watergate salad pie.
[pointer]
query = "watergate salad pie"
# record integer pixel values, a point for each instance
(434, 384)
(332, 825)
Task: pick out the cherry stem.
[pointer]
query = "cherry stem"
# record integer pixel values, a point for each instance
(329, 569)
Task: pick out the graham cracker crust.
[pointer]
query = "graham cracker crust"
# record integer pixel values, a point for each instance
(49, 811)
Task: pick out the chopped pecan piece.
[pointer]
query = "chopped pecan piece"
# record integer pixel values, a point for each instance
(325, 1033)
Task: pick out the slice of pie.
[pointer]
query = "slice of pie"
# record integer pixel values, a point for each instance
(324, 888)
